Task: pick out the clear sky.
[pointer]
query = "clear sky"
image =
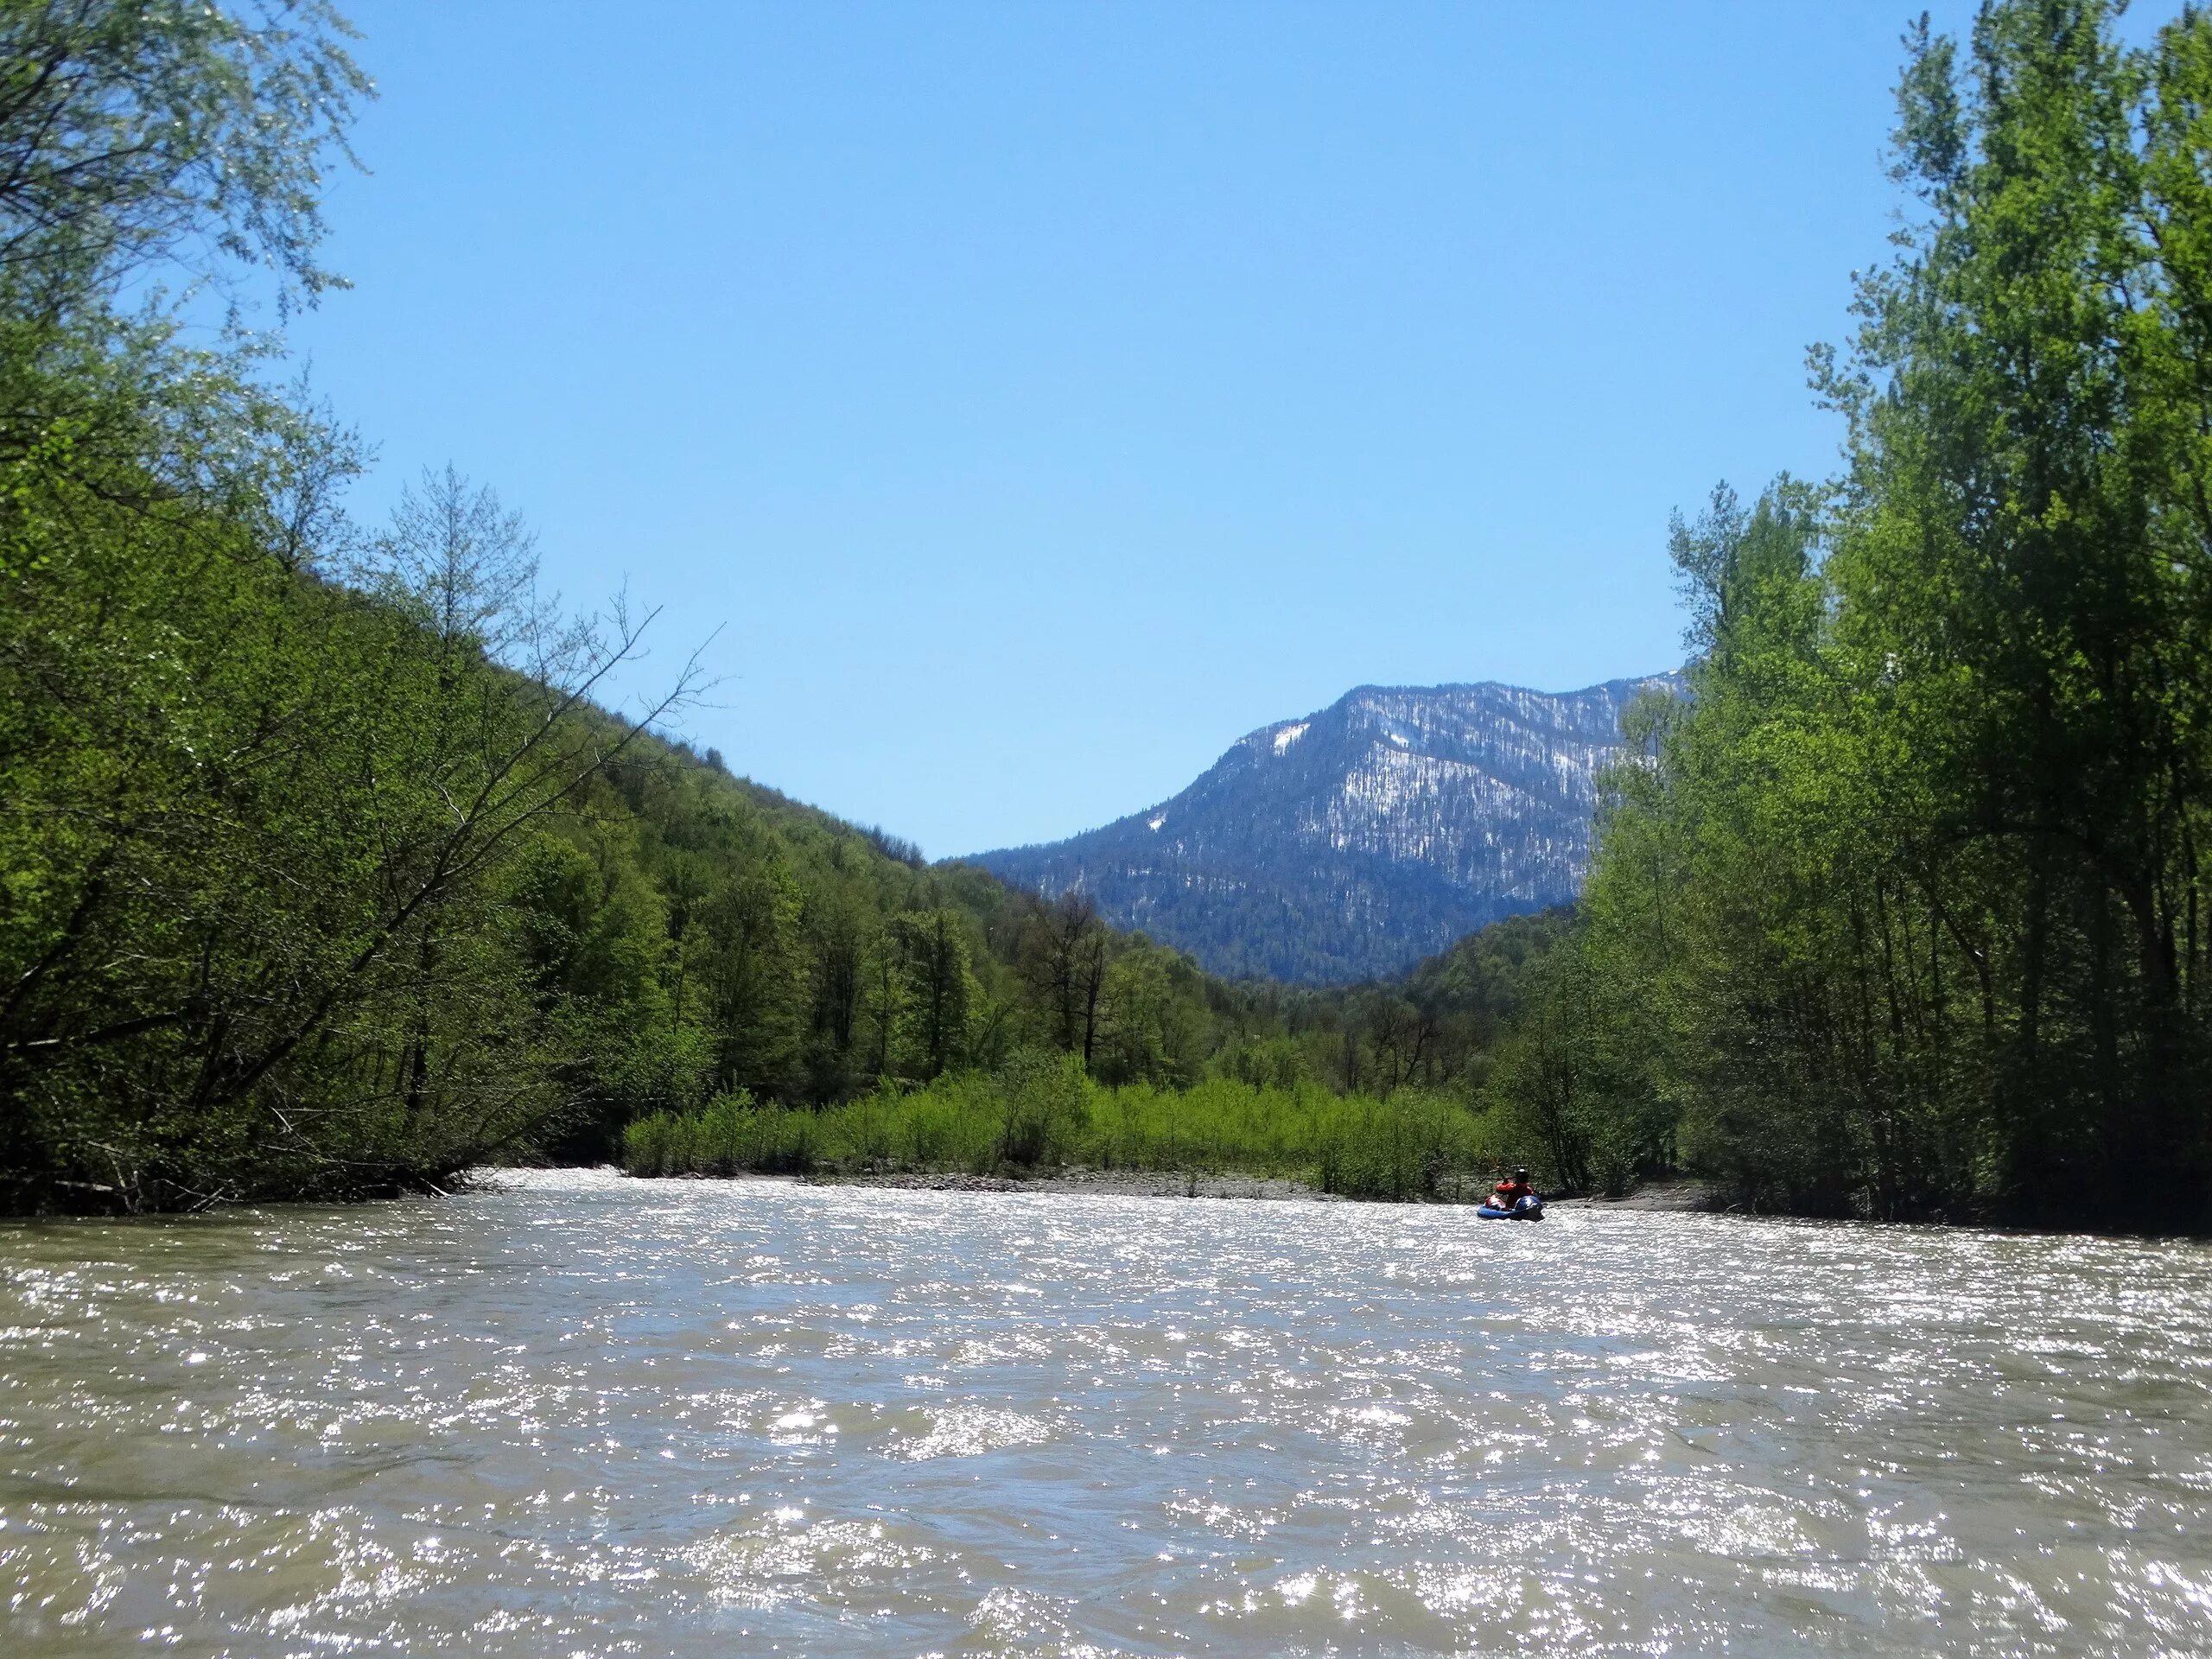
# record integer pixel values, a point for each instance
(1039, 397)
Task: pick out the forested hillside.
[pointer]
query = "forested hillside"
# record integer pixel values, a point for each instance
(321, 871)
(704, 936)
(1902, 916)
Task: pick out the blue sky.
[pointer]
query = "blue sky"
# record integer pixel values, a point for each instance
(1038, 397)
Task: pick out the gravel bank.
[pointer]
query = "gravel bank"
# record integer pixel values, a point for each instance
(1101, 1183)
(1676, 1195)
(1654, 1197)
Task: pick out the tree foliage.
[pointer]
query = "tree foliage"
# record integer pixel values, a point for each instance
(1904, 905)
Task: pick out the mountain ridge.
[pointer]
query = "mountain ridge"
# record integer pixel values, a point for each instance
(1351, 841)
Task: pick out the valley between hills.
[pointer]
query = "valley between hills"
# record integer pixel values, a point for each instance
(328, 867)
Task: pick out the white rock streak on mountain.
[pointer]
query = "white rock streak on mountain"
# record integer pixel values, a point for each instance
(1362, 837)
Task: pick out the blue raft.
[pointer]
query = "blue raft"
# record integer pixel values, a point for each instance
(1530, 1208)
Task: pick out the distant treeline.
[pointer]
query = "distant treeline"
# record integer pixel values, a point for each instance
(1367, 1091)
(1900, 914)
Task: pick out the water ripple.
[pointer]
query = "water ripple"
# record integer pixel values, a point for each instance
(580, 1416)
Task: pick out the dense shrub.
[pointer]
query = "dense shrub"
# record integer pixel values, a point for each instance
(1041, 1111)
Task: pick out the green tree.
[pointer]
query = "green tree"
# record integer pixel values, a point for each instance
(1903, 904)
(937, 989)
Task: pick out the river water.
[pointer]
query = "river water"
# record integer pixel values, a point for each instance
(578, 1414)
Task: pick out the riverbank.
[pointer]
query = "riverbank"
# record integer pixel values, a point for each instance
(1052, 1116)
(1096, 1183)
(1673, 1197)
(1676, 1196)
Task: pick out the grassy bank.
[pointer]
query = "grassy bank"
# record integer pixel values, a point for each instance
(1043, 1113)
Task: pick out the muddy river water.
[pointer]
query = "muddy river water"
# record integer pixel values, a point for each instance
(574, 1414)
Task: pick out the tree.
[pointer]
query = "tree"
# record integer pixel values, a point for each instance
(1064, 961)
(166, 136)
(939, 988)
(1903, 902)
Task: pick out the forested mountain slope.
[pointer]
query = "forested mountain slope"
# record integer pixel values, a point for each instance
(1356, 841)
(322, 870)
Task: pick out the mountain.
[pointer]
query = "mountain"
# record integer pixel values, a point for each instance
(1356, 841)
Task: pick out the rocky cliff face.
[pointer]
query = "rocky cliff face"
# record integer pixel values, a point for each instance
(1359, 839)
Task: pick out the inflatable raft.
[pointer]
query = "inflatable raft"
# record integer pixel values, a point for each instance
(1526, 1210)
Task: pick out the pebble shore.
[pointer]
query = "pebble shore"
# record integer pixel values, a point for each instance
(1667, 1195)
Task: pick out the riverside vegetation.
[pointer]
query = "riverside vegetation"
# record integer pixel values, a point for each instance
(324, 871)
(1903, 914)
(1043, 1111)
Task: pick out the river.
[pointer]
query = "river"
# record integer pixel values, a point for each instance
(574, 1414)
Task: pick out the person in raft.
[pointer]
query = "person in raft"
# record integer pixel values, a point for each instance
(1512, 1194)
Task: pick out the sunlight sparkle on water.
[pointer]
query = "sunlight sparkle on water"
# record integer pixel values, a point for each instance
(575, 1414)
